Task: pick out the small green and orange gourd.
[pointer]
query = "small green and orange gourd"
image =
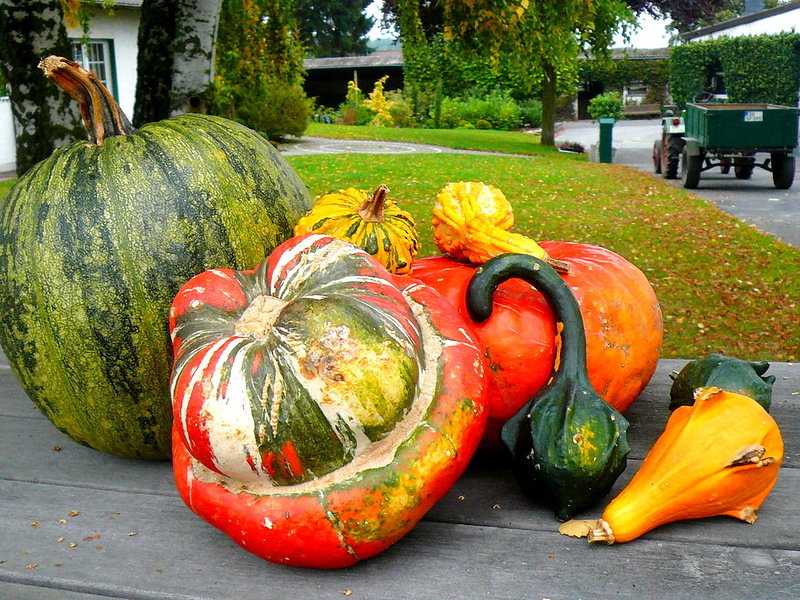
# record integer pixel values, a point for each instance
(370, 221)
(568, 444)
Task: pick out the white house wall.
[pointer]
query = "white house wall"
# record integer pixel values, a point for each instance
(8, 150)
(122, 27)
(786, 22)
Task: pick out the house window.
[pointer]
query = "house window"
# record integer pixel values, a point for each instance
(95, 56)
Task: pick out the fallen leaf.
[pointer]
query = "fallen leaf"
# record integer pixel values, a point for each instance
(577, 527)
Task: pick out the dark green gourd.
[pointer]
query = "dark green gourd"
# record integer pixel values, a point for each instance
(567, 443)
(724, 372)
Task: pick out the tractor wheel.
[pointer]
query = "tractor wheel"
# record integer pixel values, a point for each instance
(782, 170)
(657, 157)
(690, 169)
(673, 158)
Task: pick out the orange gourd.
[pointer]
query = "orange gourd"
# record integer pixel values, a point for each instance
(720, 456)
(472, 222)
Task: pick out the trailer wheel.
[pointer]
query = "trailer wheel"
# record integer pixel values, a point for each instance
(690, 169)
(782, 170)
(725, 166)
(743, 171)
(673, 158)
(657, 157)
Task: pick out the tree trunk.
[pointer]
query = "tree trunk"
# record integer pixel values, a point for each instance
(154, 61)
(45, 118)
(175, 64)
(193, 67)
(549, 84)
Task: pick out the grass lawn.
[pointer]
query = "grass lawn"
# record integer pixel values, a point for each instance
(509, 142)
(723, 286)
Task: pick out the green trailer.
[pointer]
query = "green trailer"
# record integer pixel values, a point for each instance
(732, 135)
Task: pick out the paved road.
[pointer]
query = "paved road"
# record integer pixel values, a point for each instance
(755, 201)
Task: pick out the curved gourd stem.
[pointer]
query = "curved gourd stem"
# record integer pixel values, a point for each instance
(559, 298)
(101, 114)
(567, 440)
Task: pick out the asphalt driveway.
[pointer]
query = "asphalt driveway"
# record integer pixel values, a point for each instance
(754, 201)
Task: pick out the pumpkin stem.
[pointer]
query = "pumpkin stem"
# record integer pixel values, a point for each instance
(371, 210)
(101, 114)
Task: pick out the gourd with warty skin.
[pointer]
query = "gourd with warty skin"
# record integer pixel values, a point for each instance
(323, 397)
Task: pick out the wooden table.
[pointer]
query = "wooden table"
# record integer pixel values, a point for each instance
(78, 524)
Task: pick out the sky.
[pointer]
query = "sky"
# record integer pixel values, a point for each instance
(652, 32)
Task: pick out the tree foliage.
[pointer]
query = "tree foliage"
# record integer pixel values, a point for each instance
(260, 66)
(334, 28)
(547, 35)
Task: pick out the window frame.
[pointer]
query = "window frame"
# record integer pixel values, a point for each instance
(109, 60)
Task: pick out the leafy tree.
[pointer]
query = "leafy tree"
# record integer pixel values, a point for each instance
(260, 66)
(689, 14)
(44, 117)
(334, 28)
(548, 35)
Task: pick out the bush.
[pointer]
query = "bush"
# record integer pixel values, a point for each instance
(608, 104)
(530, 112)
(274, 110)
(757, 68)
(449, 113)
(497, 109)
(400, 109)
(354, 115)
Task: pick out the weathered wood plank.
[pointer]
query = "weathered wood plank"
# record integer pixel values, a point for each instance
(174, 554)
(484, 539)
(487, 494)
(17, 591)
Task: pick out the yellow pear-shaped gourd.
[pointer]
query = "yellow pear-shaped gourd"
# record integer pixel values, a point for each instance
(720, 456)
(471, 221)
(370, 221)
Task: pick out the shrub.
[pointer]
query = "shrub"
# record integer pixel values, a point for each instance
(449, 113)
(379, 105)
(354, 115)
(497, 109)
(572, 147)
(286, 110)
(530, 112)
(400, 109)
(482, 124)
(608, 104)
(274, 109)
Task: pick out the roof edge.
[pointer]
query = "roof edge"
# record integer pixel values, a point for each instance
(743, 20)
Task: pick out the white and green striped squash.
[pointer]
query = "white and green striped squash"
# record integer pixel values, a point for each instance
(95, 242)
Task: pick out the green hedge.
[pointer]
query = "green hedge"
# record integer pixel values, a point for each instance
(760, 68)
(616, 74)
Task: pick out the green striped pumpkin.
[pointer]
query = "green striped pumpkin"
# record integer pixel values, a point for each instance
(95, 242)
